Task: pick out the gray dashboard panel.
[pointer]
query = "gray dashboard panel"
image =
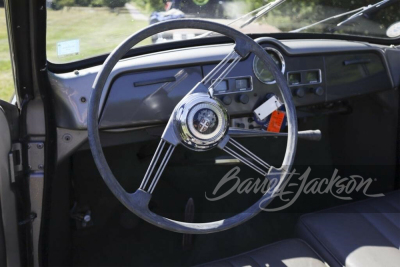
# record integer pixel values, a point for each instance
(393, 59)
(70, 88)
(347, 77)
(132, 105)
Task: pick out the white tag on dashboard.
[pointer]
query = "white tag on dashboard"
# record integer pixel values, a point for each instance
(267, 108)
(68, 48)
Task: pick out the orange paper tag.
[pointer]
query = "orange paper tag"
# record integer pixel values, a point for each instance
(276, 121)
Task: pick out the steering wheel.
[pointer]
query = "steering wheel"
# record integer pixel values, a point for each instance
(198, 122)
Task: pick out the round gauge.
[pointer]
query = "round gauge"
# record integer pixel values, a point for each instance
(261, 71)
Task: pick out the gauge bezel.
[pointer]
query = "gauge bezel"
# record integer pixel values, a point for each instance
(281, 58)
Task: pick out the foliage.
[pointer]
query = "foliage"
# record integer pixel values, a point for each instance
(83, 2)
(6, 77)
(148, 6)
(156, 4)
(312, 10)
(96, 3)
(59, 4)
(293, 14)
(115, 3)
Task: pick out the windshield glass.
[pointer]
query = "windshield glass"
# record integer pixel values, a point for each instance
(78, 29)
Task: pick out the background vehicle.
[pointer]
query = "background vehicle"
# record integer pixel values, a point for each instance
(191, 9)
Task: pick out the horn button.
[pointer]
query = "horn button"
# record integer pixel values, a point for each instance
(205, 121)
(202, 122)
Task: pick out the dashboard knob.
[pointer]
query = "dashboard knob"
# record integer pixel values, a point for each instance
(227, 100)
(244, 99)
(319, 91)
(268, 96)
(299, 92)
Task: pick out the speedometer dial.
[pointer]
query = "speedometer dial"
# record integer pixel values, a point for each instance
(261, 71)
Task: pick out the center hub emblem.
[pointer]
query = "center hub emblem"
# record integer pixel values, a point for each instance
(205, 121)
(201, 121)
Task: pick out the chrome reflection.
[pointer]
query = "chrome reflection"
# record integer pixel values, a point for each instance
(198, 109)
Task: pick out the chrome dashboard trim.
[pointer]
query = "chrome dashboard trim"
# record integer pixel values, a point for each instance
(302, 84)
(281, 58)
(237, 77)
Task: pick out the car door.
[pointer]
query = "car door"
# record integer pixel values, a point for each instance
(9, 165)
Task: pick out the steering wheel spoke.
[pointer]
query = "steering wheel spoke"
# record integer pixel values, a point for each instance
(223, 69)
(235, 149)
(160, 160)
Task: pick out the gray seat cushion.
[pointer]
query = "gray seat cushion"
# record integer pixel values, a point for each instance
(286, 253)
(365, 233)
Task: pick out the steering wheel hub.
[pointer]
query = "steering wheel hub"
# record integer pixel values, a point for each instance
(201, 121)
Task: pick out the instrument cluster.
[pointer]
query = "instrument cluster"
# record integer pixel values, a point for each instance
(261, 71)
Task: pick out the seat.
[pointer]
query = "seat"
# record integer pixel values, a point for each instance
(365, 233)
(286, 253)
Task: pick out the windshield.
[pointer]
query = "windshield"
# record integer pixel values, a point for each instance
(79, 29)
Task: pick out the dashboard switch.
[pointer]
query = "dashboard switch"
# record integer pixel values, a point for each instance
(319, 91)
(227, 100)
(299, 92)
(244, 99)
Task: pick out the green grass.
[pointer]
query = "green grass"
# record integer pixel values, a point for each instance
(98, 29)
(6, 78)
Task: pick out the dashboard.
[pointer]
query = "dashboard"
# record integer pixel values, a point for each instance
(144, 90)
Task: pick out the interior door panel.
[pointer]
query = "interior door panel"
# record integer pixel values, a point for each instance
(9, 246)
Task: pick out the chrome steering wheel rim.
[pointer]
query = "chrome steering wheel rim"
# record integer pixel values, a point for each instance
(137, 202)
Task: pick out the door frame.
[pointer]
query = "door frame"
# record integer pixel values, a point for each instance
(26, 25)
